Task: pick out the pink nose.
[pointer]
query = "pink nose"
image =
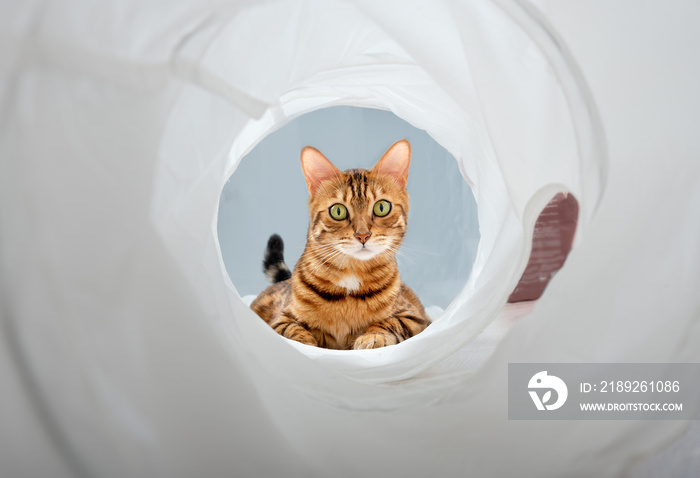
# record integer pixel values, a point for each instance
(363, 236)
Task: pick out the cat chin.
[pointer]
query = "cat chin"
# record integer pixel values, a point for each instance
(363, 254)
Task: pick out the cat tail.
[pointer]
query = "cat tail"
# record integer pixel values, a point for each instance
(273, 264)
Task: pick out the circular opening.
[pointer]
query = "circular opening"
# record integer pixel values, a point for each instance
(267, 195)
(519, 134)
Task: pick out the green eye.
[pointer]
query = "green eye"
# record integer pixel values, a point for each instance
(382, 208)
(338, 212)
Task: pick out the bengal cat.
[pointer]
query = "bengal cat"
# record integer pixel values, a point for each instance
(345, 291)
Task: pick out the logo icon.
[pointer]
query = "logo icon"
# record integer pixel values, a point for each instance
(541, 381)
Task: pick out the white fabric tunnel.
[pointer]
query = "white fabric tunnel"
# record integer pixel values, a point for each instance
(131, 352)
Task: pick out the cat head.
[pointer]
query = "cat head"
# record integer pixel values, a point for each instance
(359, 213)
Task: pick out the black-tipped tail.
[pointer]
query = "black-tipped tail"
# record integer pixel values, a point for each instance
(273, 265)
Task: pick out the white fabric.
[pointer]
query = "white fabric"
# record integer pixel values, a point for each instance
(121, 121)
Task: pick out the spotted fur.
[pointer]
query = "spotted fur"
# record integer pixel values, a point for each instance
(346, 291)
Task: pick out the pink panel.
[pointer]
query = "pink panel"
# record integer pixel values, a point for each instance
(551, 243)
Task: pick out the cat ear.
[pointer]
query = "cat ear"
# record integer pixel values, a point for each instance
(317, 168)
(395, 162)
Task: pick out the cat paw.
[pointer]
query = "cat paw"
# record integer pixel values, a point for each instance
(372, 341)
(305, 339)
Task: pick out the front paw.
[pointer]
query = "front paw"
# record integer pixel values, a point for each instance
(373, 341)
(306, 339)
(290, 329)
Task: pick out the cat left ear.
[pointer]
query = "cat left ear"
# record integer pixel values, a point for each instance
(317, 168)
(396, 162)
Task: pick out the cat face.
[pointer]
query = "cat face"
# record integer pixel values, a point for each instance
(357, 214)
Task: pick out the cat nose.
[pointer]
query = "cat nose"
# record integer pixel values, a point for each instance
(363, 236)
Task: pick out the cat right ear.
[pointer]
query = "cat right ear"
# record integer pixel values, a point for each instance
(317, 168)
(396, 162)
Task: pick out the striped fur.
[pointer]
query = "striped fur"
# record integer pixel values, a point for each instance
(346, 291)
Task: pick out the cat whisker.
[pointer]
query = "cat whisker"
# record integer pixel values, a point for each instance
(421, 251)
(345, 261)
(407, 250)
(326, 259)
(329, 262)
(315, 247)
(324, 255)
(315, 251)
(395, 251)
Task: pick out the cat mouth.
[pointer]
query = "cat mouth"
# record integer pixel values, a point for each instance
(363, 253)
